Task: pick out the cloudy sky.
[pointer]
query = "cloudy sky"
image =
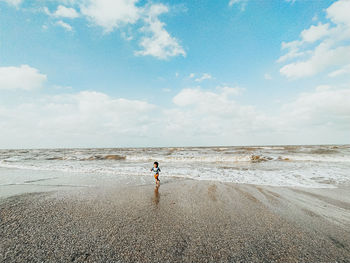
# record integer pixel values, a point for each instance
(117, 73)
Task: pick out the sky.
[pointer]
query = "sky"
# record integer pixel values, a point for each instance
(129, 73)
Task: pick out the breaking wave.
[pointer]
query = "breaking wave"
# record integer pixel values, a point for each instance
(308, 166)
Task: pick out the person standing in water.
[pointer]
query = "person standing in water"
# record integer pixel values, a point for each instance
(156, 170)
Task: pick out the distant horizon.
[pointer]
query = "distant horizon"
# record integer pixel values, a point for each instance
(91, 73)
(212, 146)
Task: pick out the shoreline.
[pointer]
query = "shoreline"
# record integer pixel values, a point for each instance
(183, 221)
(33, 181)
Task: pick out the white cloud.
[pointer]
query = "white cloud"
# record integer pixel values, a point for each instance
(332, 51)
(88, 119)
(187, 97)
(341, 71)
(290, 1)
(198, 116)
(66, 12)
(213, 114)
(78, 119)
(310, 35)
(126, 16)
(293, 51)
(158, 42)
(205, 99)
(216, 116)
(323, 57)
(324, 106)
(315, 33)
(65, 25)
(210, 103)
(338, 12)
(15, 3)
(111, 14)
(23, 77)
(229, 91)
(204, 76)
(241, 3)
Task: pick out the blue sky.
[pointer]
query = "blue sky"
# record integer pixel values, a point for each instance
(103, 73)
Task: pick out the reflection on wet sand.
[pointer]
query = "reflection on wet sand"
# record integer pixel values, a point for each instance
(156, 196)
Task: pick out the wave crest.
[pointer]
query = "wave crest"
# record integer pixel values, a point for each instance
(115, 157)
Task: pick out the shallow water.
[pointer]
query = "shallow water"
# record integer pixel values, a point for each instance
(305, 166)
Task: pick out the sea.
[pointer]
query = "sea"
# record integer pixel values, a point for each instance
(316, 166)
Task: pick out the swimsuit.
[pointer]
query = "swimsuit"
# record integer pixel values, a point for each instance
(156, 173)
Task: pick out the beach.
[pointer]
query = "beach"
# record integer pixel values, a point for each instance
(183, 220)
(175, 131)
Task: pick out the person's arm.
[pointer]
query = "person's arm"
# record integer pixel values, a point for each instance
(159, 169)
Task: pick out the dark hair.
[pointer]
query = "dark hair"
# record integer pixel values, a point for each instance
(156, 163)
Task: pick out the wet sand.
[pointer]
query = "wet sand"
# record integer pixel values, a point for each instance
(182, 221)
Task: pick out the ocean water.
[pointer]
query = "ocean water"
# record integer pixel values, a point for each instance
(305, 166)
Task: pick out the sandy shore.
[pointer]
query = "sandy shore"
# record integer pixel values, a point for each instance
(182, 221)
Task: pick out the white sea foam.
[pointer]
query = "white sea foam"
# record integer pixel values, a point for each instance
(306, 166)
